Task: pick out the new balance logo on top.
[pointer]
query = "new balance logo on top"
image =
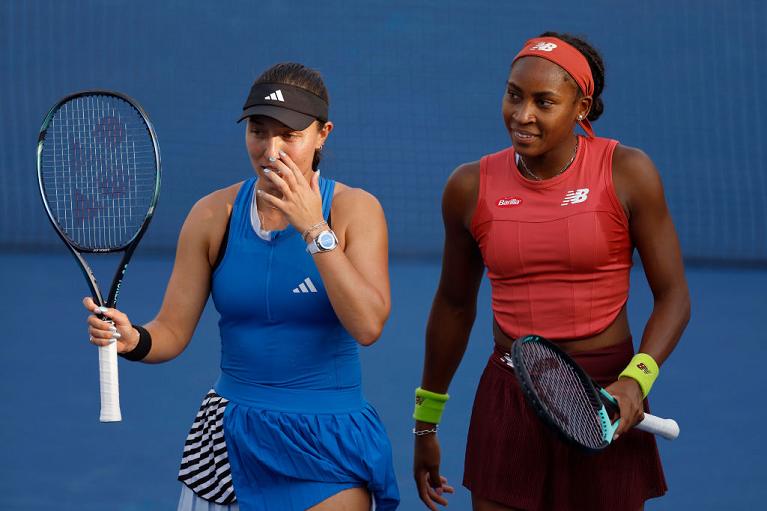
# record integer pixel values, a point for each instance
(276, 96)
(575, 196)
(307, 286)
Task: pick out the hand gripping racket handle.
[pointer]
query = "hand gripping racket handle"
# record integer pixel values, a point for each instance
(667, 428)
(110, 390)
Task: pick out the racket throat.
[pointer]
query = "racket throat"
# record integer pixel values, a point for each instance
(608, 427)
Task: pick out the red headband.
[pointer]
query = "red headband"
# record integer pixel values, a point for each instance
(568, 58)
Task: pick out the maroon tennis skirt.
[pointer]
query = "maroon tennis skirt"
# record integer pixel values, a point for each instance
(514, 459)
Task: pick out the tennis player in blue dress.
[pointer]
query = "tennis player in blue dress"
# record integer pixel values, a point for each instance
(297, 268)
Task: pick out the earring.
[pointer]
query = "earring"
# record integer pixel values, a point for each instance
(580, 117)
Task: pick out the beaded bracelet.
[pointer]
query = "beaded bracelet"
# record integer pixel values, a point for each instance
(310, 229)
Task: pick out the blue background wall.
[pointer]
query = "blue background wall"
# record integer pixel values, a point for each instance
(415, 90)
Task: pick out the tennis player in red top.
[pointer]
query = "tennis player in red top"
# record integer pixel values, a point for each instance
(554, 219)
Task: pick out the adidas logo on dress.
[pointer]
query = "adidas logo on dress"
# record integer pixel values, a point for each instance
(307, 286)
(276, 96)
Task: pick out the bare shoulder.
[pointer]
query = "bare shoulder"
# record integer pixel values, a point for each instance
(208, 217)
(632, 160)
(459, 199)
(357, 215)
(464, 179)
(215, 205)
(635, 177)
(349, 200)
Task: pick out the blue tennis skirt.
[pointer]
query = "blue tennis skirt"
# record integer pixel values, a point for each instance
(269, 448)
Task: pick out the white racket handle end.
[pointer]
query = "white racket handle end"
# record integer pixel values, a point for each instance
(667, 428)
(108, 383)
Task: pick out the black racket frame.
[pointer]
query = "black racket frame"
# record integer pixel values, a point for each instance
(538, 404)
(76, 249)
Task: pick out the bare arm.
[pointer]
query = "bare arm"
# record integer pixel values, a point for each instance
(455, 302)
(450, 321)
(188, 287)
(187, 290)
(639, 188)
(356, 274)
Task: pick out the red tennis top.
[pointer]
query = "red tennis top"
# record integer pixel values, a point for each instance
(558, 251)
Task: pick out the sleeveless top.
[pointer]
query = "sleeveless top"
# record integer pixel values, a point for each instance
(558, 251)
(278, 328)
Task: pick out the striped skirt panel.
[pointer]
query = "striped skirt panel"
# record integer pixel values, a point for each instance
(204, 463)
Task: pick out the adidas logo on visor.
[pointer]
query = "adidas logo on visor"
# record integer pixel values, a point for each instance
(307, 286)
(275, 96)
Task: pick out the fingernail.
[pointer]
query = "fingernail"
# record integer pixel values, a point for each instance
(116, 335)
(102, 309)
(266, 170)
(272, 159)
(282, 153)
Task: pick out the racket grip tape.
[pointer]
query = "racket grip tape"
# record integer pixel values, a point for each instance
(667, 428)
(108, 383)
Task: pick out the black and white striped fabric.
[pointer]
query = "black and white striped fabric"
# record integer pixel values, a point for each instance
(205, 464)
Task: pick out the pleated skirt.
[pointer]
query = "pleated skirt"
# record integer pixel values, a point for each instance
(267, 459)
(514, 459)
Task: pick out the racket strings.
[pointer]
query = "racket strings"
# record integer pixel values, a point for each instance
(561, 390)
(98, 170)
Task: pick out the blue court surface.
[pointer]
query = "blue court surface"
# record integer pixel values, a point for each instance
(57, 456)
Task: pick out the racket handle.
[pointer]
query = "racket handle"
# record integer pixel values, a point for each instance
(108, 383)
(667, 428)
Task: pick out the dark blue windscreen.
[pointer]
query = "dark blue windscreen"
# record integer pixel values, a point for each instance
(415, 91)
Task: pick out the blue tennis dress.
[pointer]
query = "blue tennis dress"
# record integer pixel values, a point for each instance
(286, 425)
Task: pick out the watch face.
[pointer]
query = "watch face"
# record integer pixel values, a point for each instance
(326, 241)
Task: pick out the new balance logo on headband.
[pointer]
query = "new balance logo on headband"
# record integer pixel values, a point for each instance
(542, 46)
(275, 96)
(575, 196)
(307, 286)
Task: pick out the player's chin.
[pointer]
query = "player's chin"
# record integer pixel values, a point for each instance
(528, 146)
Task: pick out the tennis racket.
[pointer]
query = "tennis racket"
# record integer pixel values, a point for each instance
(98, 167)
(567, 399)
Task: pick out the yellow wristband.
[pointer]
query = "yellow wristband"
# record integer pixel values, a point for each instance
(429, 406)
(643, 369)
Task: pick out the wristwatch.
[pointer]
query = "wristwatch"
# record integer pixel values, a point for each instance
(325, 241)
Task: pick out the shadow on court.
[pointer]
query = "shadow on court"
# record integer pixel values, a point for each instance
(57, 456)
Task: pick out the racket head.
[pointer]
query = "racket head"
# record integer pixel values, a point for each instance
(98, 168)
(561, 393)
